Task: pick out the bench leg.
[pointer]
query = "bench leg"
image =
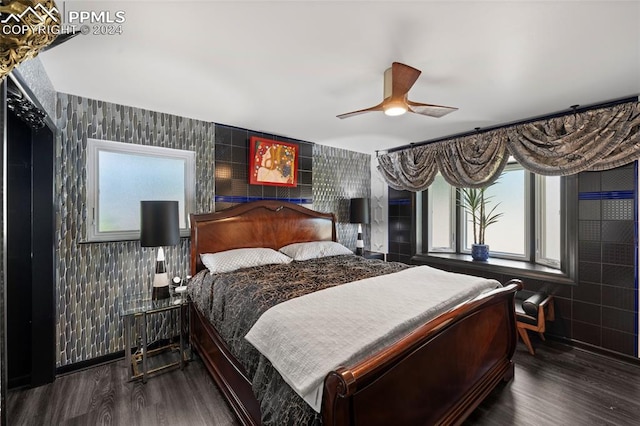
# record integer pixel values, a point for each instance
(525, 339)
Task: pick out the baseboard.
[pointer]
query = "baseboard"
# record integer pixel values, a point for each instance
(93, 362)
(19, 382)
(105, 359)
(594, 349)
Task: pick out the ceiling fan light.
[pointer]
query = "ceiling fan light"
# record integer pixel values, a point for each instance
(394, 110)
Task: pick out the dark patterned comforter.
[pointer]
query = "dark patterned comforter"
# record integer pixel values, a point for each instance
(234, 301)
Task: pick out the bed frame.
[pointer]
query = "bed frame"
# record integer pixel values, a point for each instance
(438, 374)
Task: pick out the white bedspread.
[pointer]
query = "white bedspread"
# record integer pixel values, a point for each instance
(307, 337)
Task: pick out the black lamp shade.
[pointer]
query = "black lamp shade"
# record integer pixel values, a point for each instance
(159, 223)
(359, 212)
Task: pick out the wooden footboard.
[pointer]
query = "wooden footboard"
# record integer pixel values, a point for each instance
(226, 371)
(436, 375)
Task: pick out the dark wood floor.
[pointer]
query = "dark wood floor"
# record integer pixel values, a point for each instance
(558, 386)
(103, 396)
(562, 385)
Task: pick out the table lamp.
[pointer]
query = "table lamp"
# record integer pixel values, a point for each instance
(359, 213)
(159, 227)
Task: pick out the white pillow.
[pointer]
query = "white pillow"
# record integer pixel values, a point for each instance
(230, 260)
(314, 250)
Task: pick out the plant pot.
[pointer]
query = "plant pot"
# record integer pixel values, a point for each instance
(480, 252)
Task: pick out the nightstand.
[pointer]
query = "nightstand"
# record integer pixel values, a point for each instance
(141, 307)
(373, 255)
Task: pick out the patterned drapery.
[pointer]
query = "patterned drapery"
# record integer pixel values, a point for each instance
(413, 169)
(473, 161)
(597, 139)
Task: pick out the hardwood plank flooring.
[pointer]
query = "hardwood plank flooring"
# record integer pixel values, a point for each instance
(102, 396)
(560, 385)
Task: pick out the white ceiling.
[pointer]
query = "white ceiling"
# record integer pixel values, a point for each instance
(290, 67)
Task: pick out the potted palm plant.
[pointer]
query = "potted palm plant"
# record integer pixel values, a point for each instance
(477, 204)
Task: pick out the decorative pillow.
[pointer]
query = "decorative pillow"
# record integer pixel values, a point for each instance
(230, 260)
(314, 250)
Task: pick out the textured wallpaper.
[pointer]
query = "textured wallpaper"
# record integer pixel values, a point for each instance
(33, 73)
(93, 278)
(339, 175)
(379, 210)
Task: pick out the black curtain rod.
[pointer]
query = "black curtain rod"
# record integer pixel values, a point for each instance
(574, 110)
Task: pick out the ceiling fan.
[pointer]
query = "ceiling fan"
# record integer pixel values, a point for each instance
(397, 81)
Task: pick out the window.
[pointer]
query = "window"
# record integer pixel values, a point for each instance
(507, 238)
(548, 220)
(120, 175)
(529, 230)
(442, 212)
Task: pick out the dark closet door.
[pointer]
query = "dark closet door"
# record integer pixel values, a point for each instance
(30, 255)
(19, 282)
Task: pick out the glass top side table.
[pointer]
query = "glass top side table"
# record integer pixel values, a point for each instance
(141, 306)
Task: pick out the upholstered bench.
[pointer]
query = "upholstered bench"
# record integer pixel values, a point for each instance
(533, 309)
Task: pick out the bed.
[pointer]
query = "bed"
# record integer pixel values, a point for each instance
(436, 374)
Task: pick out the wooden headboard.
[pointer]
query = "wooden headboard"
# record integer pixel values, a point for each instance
(272, 224)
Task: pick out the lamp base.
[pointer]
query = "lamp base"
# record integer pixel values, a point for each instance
(160, 288)
(359, 242)
(158, 293)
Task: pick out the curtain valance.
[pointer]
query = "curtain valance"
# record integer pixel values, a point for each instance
(597, 139)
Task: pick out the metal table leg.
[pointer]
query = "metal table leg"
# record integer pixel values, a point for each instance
(127, 343)
(144, 347)
(181, 333)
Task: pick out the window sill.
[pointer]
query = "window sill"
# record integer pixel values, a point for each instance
(503, 266)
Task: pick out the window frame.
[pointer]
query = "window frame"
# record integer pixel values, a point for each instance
(540, 192)
(568, 271)
(453, 205)
(512, 166)
(94, 147)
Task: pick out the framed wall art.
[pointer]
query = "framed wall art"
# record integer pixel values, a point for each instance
(273, 162)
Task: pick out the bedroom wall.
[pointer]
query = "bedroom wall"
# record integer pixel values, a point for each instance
(232, 167)
(32, 72)
(602, 310)
(92, 278)
(379, 210)
(339, 175)
(327, 178)
(400, 225)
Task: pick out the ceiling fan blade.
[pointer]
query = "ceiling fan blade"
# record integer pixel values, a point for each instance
(403, 78)
(430, 110)
(362, 111)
